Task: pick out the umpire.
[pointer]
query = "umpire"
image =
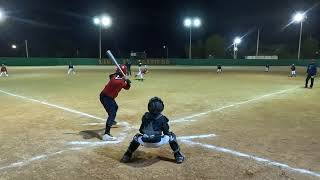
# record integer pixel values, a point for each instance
(128, 64)
(311, 72)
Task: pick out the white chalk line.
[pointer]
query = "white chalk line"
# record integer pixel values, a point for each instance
(171, 122)
(53, 105)
(196, 137)
(28, 161)
(100, 143)
(253, 157)
(190, 118)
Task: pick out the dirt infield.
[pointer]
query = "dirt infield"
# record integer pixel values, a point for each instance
(262, 125)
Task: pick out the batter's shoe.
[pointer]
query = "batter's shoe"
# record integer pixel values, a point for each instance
(179, 157)
(114, 123)
(108, 137)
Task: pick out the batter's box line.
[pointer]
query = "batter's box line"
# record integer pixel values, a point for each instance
(252, 157)
(102, 143)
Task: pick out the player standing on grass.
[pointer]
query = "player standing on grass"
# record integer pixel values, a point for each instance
(141, 71)
(107, 98)
(4, 70)
(71, 69)
(219, 68)
(293, 70)
(128, 64)
(267, 68)
(154, 132)
(311, 74)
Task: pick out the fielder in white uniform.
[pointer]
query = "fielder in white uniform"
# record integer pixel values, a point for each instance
(4, 71)
(71, 69)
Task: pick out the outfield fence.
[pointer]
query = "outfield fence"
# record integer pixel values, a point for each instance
(13, 61)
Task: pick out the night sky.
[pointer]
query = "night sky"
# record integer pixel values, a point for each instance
(146, 25)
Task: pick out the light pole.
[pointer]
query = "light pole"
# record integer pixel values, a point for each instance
(236, 42)
(103, 21)
(299, 18)
(166, 47)
(189, 23)
(258, 42)
(26, 46)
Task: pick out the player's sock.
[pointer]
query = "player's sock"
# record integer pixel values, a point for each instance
(107, 131)
(176, 150)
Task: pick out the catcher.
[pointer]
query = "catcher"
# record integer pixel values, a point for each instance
(154, 132)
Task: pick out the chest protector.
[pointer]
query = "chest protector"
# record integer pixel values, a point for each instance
(152, 128)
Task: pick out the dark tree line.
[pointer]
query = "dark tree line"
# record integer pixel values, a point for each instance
(215, 46)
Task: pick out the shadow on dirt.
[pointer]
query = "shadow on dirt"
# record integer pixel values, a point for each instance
(142, 159)
(90, 134)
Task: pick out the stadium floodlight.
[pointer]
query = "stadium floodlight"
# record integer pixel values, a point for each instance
(103, 21)
(96, 21)
(166, 47)
(189, 23)
(237, 40)
(196, 22)
(106, 21)
(299, 17)
(13, 46)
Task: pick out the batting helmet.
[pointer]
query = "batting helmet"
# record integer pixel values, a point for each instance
(123, 68)
(155, 105)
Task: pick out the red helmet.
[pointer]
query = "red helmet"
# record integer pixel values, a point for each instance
(123, 68)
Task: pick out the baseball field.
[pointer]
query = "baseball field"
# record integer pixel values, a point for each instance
(241, 124)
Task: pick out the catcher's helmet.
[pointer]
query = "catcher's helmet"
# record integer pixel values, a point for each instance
(155, 105)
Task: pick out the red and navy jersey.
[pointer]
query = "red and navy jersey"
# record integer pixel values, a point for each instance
(3, 69)
(114, 86)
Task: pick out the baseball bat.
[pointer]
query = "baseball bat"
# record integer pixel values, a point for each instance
(115, 61)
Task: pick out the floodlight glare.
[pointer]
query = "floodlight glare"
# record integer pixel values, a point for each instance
(106, 21)
(14, 46)
(187, 22)
(299, 17)
(197, 22)
(237, 40)
(2, 15)
(96, 21)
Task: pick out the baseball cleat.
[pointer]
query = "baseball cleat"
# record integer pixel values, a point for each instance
(108, 137)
